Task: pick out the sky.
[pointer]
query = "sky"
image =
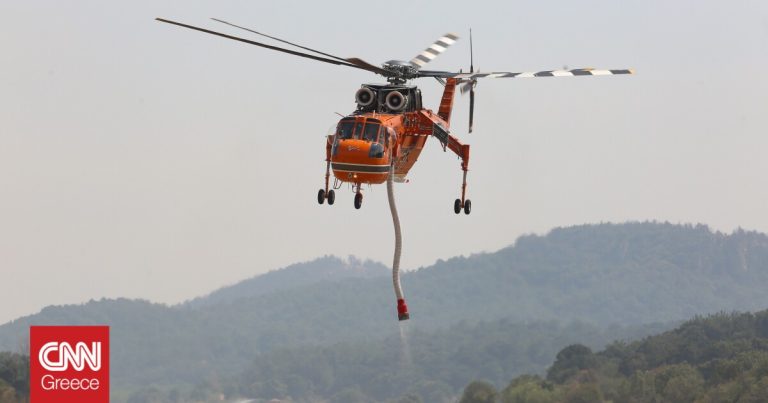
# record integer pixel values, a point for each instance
(143, 160)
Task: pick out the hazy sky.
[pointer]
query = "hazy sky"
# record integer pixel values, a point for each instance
(143, 160)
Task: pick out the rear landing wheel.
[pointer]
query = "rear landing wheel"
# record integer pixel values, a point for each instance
(457, 206)
(467, 206)
(331, 197)
(358, 200)
(321, 197)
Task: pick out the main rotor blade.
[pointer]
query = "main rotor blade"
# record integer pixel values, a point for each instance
(436, 73)
(547, 73)
(280, 40)
(362, 64)
(434, 50)
(467, 86)
(471, 108)
(290, 52)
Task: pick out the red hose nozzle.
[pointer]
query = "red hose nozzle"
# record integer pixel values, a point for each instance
(402, 310)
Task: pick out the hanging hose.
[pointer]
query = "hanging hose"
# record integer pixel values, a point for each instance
(402, 308)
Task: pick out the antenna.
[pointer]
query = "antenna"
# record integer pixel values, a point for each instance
(471, 58)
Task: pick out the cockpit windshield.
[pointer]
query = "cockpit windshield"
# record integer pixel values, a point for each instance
(371, 131)
(350, 129)
(346, 129)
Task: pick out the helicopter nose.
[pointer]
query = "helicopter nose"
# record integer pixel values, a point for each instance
(354, 148)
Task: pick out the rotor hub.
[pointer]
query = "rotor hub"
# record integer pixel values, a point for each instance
(400, 71)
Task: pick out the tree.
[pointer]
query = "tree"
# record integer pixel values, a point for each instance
(758, 392)
(480, 392)
(7, 393)
(680, 383)
(14, 369)
(583, 393)
(529, 389)
(570, 361)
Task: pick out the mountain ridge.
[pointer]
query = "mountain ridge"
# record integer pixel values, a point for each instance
(325, 268)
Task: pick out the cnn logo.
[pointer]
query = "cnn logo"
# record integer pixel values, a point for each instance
(78, 357)
(72, 364)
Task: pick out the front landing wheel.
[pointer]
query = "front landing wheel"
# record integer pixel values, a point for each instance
(321, 197)
(467, 207)
(457, 206)
(358, 200)
(331, 197)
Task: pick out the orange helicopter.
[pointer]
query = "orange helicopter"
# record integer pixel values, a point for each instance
(390, 126)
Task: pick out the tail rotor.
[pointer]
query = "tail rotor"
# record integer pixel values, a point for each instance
(469, 84)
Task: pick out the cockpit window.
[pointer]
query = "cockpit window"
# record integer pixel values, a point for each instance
(359, 130)
(371, 132)
(346, 130)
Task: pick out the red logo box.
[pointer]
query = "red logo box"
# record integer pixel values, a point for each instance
(69, 364)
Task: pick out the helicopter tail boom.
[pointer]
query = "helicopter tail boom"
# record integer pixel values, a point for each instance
(446, 103)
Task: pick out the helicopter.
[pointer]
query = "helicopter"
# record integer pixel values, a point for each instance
(389, 127)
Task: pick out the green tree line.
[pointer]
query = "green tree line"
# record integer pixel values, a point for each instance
(14, 378)
(718, 358)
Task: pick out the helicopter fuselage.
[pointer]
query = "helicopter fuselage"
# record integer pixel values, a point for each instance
(377, 143)
(375, 139)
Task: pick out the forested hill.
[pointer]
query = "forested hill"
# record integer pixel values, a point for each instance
(603, 274)
(719, 358)
(608, 273)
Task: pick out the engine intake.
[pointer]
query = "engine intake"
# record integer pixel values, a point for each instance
(396, 101)
(365, 97)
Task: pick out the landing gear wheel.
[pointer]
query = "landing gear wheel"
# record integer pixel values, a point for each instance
(457, 206)
(331, 197)
(358, 200)
(321, 197)
(467, 207)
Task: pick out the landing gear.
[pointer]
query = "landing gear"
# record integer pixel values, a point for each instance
(466, 206)
(358, 195)
(321, 197)
(462, 203)
(327, 194)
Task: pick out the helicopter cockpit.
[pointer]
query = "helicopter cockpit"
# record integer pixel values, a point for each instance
(358, 129)
(369, 130)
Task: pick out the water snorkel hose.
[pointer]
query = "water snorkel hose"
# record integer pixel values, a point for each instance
(402, 308)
